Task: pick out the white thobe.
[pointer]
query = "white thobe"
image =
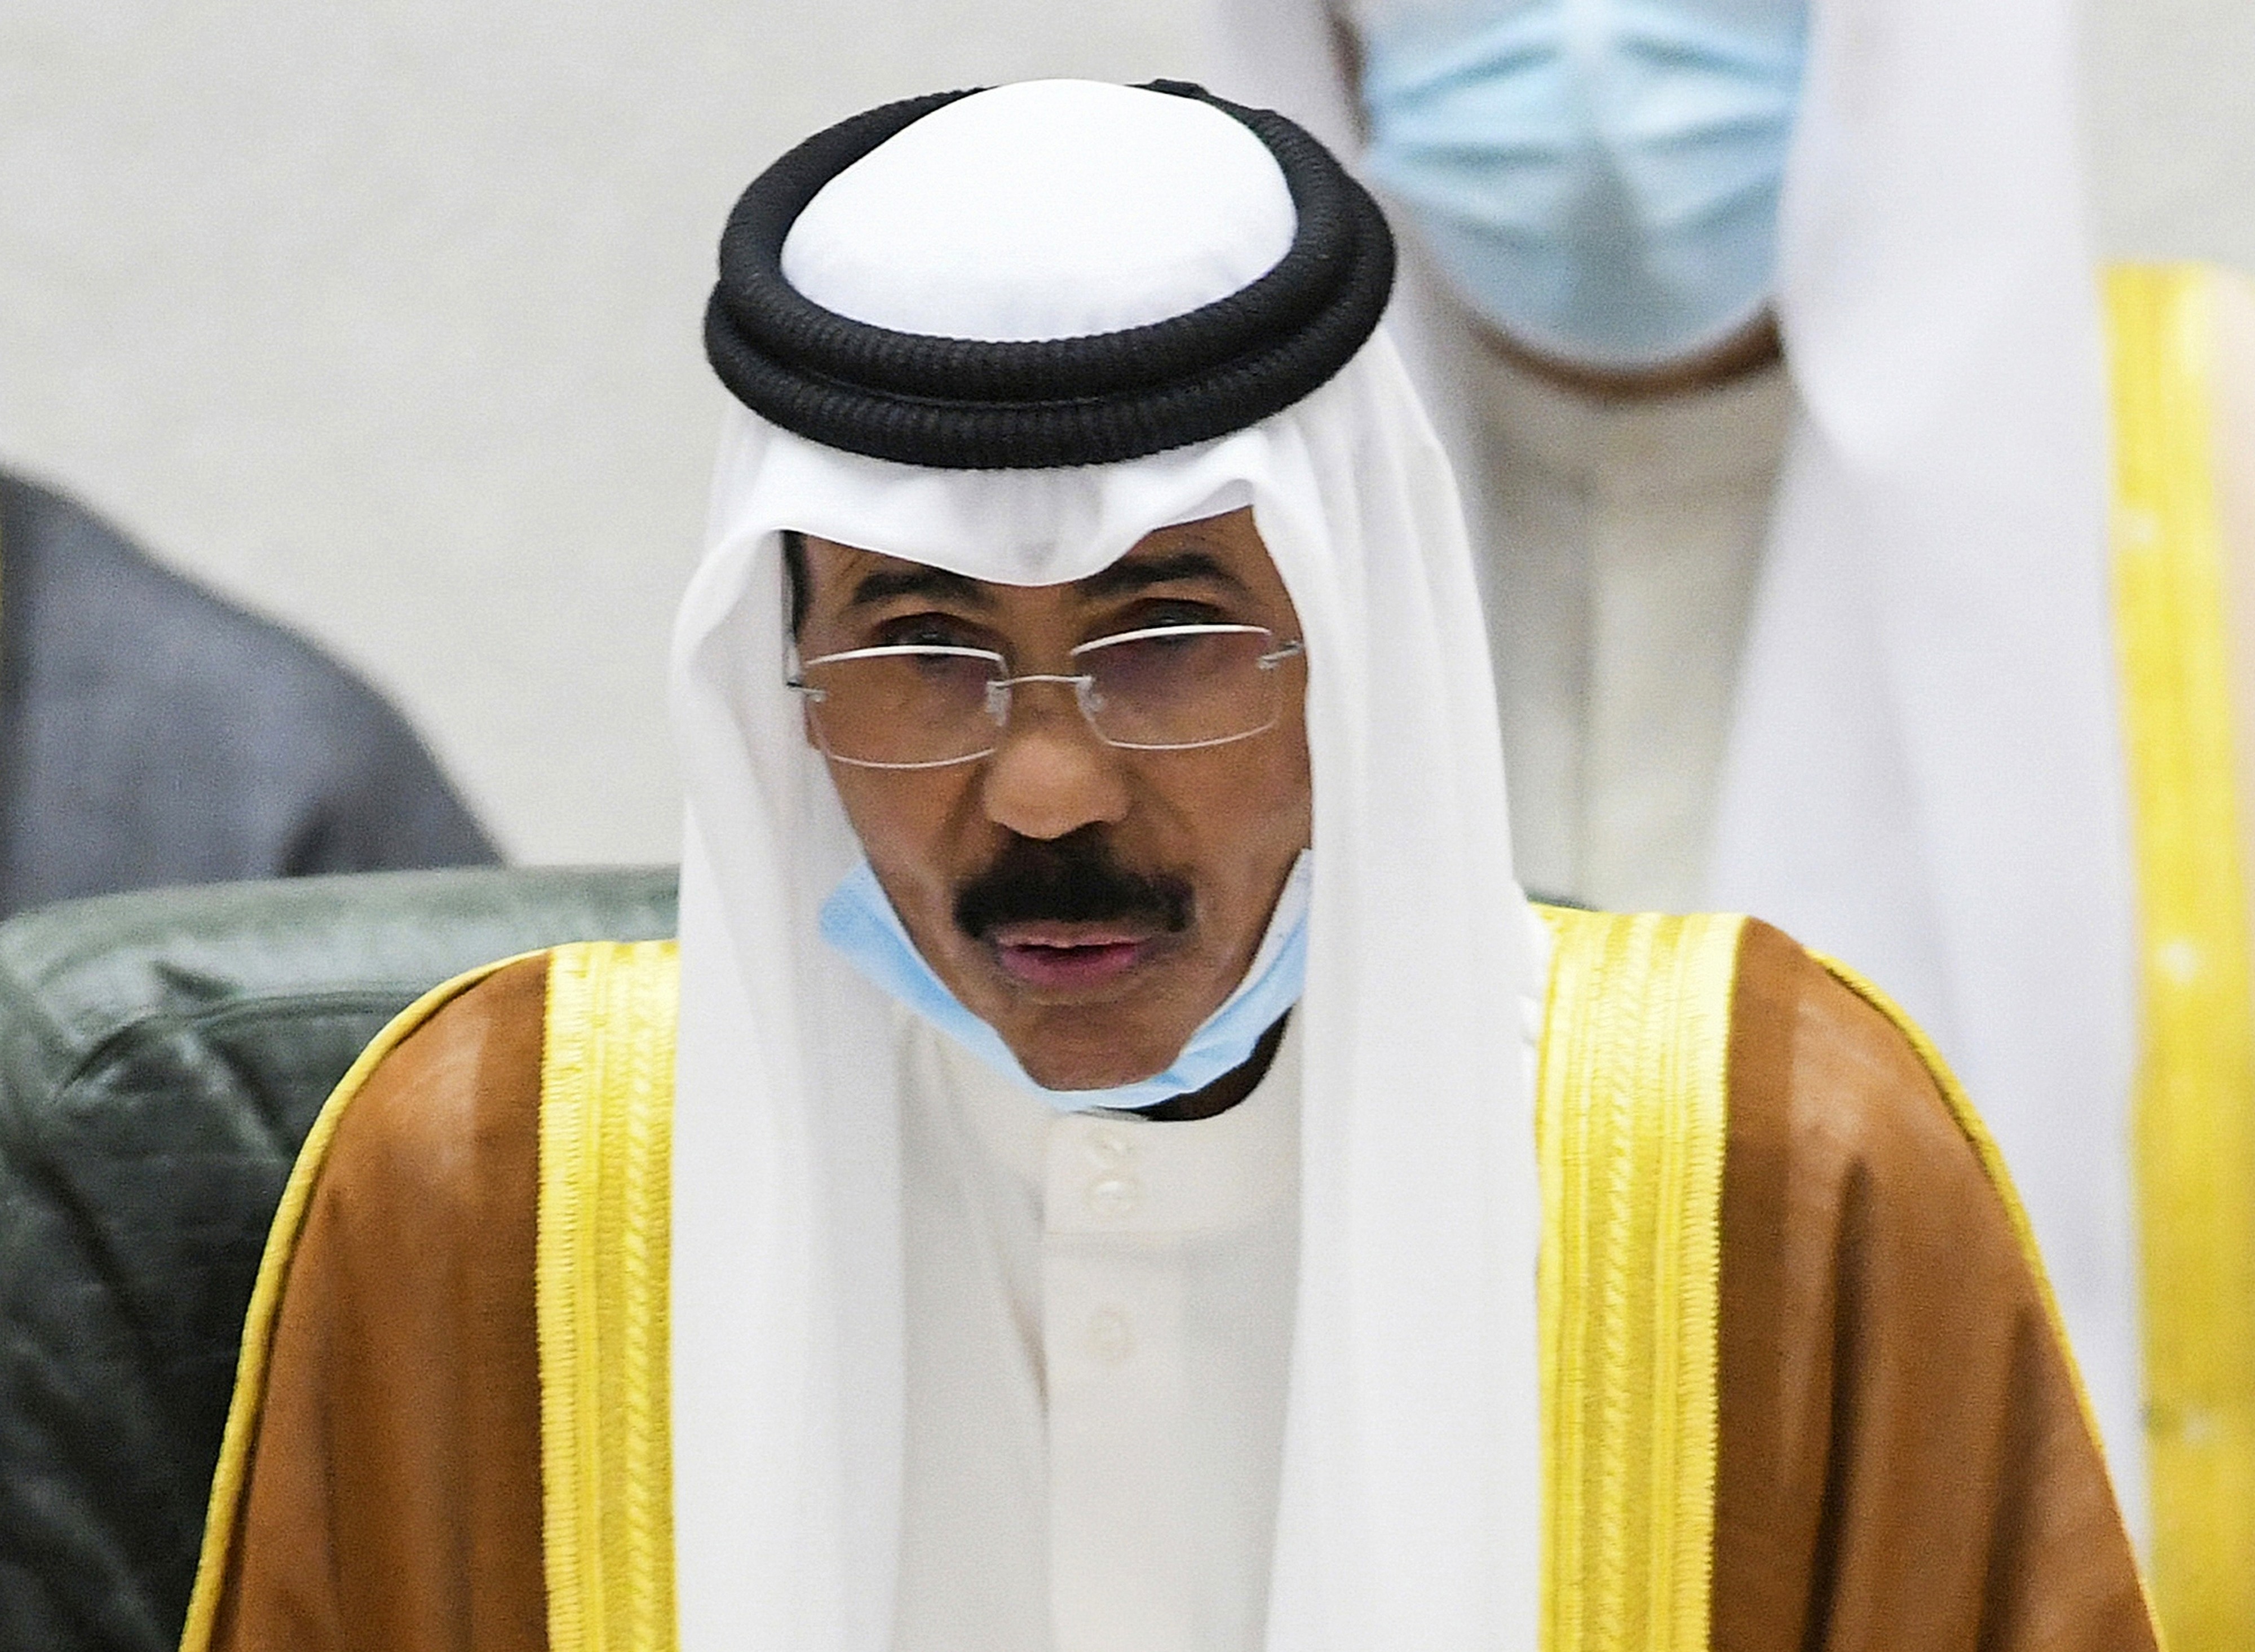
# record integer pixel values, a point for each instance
(1100, 1319)
(1625, 542)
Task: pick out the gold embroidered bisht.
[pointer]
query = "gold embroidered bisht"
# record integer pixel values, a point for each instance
(1803, 1387)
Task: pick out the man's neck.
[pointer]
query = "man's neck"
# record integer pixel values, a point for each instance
(1753, 348)
(1225, 1092)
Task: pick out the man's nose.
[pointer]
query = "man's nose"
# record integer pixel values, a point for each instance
(1051, 774)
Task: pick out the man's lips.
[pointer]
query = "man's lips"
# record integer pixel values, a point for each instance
(1066, 955)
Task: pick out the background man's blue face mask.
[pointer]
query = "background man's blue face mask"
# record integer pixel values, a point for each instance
(1598, 179)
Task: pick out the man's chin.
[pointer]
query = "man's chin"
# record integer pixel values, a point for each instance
(1084, 1048)
(1086, 1070)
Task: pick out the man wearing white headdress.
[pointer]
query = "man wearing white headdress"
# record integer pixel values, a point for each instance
(1130, 1169)
(1765, 337)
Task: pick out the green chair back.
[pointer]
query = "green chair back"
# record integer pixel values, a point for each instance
(162, 1055)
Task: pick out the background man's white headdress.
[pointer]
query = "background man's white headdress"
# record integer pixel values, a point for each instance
(1009, 335)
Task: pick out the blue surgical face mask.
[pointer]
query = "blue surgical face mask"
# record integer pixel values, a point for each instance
(1598, 179)
(860, 923)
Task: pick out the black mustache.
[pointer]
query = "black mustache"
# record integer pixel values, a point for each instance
(1074, 879)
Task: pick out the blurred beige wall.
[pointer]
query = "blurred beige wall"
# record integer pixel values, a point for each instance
(382, 314)
(2171, 124)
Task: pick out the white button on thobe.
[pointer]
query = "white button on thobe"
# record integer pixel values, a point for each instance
(1099, 1329)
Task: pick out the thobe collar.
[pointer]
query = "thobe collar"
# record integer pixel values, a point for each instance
(1141, 1174)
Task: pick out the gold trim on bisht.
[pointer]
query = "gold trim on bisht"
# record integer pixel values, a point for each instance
(600, 1273)
(1630, 1122)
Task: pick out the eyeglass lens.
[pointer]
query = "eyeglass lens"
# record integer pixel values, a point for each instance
(1186, 686)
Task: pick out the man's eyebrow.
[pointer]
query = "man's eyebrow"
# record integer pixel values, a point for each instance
(883, 585)
(1128, 576)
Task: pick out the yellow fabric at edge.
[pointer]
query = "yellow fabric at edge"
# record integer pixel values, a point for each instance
(600, 1273)
(225, 1507)
(2194, 1122)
